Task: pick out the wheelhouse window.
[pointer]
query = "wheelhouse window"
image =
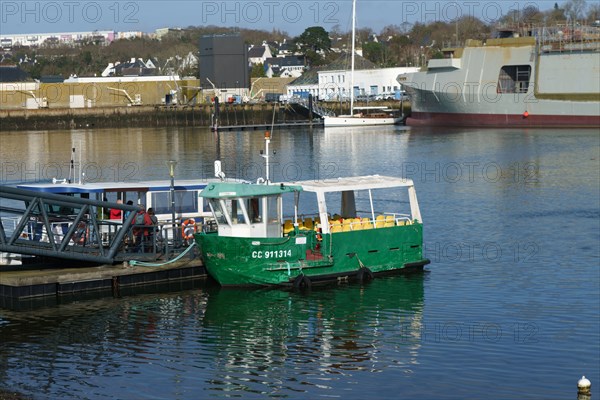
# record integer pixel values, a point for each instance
(273, 209)
(514, 79)
(229, 211)
(254, 208)
(219, 211)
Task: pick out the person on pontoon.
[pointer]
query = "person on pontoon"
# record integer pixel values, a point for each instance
(116, 213)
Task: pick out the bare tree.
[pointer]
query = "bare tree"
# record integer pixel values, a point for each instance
(575, 9)
(594, 12)
(531, 14)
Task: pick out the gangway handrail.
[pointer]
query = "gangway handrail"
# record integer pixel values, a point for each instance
(316, 108)
(36, 202)
(60, 199)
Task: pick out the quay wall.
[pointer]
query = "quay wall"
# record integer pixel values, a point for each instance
(142, 116)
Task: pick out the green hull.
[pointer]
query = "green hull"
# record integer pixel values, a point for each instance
(235, 261)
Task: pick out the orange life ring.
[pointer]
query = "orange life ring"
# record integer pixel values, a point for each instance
(188, 228)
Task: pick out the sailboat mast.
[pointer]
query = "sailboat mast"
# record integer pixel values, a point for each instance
(352, 62)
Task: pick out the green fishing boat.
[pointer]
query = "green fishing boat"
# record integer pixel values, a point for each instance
(334, 229)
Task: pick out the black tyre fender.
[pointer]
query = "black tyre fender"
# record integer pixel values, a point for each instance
(302, 282)
(364, 274)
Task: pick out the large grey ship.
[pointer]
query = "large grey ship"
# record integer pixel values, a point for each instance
(540, 77)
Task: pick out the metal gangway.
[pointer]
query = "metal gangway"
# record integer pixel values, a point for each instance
(317, 109)
(66, 227)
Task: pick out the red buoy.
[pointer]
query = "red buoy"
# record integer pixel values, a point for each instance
(526, 114)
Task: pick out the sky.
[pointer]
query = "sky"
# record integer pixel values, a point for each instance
(291, 16)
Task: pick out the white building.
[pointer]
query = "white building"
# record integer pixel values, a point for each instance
(378, 83)
(69, 38)
(285, 67)
(160, 32)
(306, 84)
(259, 54)
(334, 85)
(130, 35)
(189, 61)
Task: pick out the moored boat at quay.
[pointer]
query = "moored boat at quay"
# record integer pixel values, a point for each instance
(339, 228)
(536, 78)
(100, 223)
(364, 116)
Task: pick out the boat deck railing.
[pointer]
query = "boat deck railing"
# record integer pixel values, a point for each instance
(338, 224)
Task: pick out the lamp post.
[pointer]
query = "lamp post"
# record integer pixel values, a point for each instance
(172, 164)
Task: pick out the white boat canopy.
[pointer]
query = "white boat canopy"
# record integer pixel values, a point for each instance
(354, 183)
(351, 184)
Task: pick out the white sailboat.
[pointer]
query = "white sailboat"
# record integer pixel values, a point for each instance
(364, 116)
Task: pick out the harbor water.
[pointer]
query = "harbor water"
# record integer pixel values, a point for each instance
(508, 308)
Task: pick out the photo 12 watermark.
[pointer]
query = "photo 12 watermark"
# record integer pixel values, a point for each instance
(232, 13)
(462, 252)
(90, 172)
(449, 11)
(473, 92)
(470, 332)
(270, 12)
(471, 172)
(278, 171)
(70, 12)
(110, 92)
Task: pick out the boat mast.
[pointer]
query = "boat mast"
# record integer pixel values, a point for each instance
(352, 59)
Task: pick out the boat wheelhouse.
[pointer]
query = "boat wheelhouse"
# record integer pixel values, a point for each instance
(348, 227)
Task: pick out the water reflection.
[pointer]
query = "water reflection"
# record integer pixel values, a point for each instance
(351, 150)
(91, 349)
(139, 154)
(322, 337)
(264, 341)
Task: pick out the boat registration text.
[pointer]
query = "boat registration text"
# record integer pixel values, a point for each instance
(271, 253)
